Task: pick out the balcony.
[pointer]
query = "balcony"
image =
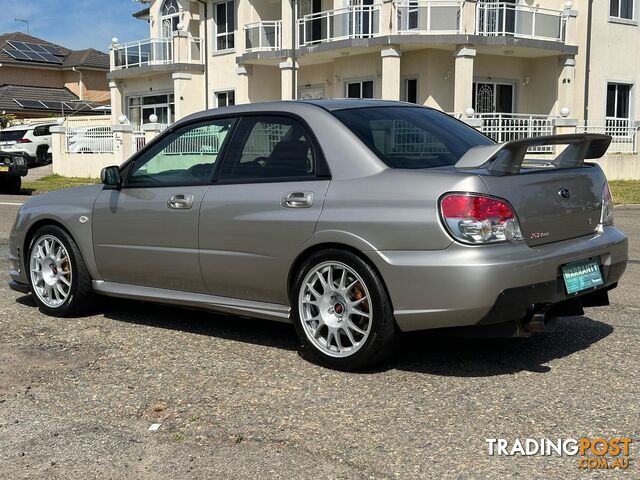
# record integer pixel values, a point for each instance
(340, 24)
(507, 19)
(429, 17)
(181, 48)
(263, 36)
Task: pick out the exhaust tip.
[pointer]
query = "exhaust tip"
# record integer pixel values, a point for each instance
(543, 319)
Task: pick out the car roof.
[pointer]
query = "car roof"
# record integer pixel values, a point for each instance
(28, 126)
(294, 106)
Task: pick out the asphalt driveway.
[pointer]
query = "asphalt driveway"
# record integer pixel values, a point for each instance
(234, 400)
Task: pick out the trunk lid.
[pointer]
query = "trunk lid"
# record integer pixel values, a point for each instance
(552, 204)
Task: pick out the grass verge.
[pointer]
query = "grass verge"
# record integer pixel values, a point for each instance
(625, 191)
(55, 182)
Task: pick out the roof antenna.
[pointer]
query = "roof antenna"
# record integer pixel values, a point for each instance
(23, 21)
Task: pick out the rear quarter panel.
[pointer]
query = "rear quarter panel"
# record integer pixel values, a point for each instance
(392, 210)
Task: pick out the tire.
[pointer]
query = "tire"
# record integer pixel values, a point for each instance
(10, 184)
(79, 293)
(41, 155)
(350, 287)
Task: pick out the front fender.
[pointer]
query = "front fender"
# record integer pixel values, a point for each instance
(65, 208)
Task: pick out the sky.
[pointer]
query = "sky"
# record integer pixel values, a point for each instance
(75, 24)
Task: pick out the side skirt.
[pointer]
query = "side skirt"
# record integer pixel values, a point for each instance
(249, 308)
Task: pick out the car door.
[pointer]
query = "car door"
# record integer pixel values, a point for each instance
(264, 206)
(146, 233)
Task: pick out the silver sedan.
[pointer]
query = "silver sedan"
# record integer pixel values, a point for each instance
(355, 220)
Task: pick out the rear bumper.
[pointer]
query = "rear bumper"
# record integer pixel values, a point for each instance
(16, 171)
(462, 285)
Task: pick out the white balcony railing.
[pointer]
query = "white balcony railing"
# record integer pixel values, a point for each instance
(152, 51)
(429, 16)
(195, 50)
(504, 127)
(505, 19)
(361, 21)
(263, 36)
(623, 131)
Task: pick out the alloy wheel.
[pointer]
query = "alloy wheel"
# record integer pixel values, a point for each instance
(51, 272)
(335, 309)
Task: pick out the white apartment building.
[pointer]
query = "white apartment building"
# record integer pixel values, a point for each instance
(519, 64)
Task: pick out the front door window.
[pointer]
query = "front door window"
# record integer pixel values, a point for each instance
(186, 159)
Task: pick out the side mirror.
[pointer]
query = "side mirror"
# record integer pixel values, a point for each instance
(111, 177)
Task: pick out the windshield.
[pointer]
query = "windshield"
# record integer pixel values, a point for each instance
(11, 135)
(412, 137)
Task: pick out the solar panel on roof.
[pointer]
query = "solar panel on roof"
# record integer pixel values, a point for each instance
(52, 105)
(17, 54)
(52, 50)
(31, 104)
(31, 51)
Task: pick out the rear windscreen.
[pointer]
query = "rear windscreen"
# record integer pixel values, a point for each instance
(412, 137)
(11, 135)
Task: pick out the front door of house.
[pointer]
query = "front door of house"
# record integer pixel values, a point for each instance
(492, 97)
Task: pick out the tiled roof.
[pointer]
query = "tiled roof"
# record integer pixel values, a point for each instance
(10, 93)
(89, 58)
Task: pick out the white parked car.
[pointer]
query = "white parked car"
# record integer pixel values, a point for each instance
(97, 139)
(32, 142)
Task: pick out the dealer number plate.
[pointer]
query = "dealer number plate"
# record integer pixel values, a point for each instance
(582, 275)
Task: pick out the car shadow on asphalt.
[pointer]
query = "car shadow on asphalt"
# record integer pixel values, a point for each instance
(230, 327)
(436, 352)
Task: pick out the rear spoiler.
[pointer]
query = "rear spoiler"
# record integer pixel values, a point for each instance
(507, 158)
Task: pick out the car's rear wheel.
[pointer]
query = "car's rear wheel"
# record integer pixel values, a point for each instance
(341, 311)
(42, 154)
(59, 280)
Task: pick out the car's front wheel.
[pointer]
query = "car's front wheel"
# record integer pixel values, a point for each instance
(59, 280)
(341, 311)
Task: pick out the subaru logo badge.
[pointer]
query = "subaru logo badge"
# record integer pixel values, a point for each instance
(565, 193)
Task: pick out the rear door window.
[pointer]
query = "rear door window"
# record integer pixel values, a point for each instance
(42, 130)
(268, 148)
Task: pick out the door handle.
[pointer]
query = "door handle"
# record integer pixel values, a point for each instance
(180, 201)
(297, 200)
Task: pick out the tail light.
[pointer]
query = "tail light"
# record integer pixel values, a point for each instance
(478, 219)
(606, 218)
(23, 140)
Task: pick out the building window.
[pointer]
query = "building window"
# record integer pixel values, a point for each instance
(142, 107)
(621, 9)
(225, 25)
(169, 17)
(359, 89)
(410, 90)
(225, 99)
(618, 100)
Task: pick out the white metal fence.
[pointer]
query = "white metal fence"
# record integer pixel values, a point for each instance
(501, 18)
(429, 16)
(357, 21)
(139, 138)
(88, 135)
(263, 36)
(623, 131)
(504, 127)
